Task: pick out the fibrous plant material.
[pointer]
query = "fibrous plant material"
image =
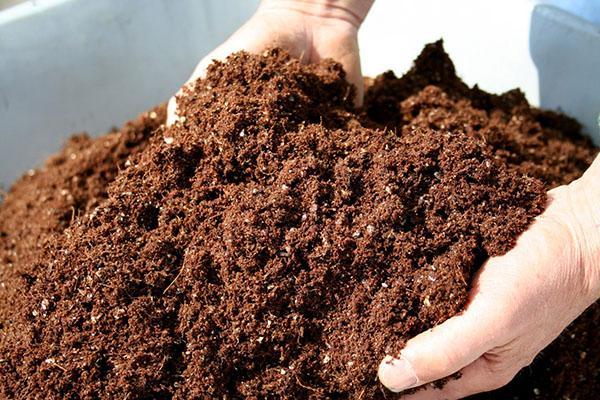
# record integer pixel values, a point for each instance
(275, 243)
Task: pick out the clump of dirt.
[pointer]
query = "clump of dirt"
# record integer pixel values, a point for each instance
(273, 244)
(46, 201)
(538, 143)
(72, 183)
(530, 141)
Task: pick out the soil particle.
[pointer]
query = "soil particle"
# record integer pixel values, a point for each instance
(275, 243)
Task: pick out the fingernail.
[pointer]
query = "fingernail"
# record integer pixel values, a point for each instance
(397, 374)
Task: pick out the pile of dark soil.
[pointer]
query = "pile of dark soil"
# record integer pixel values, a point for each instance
(275, 243)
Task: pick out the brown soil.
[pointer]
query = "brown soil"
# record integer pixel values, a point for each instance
(275, 244)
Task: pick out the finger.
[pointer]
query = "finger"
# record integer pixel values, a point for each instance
(482, 375)
(441, 351)
(351, 63)
(219, 54)
(172, 115)
(199, 72)
(345, 52)
(248, 39)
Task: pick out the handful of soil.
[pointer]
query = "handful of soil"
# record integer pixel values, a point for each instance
(275, 243)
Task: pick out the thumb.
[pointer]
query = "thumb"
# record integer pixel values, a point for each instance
(199, 72)
(231, 46)
(438, 352)
(220, 53)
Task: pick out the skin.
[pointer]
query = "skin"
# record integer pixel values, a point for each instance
(521, 301)
(310, 30)
(519, 304)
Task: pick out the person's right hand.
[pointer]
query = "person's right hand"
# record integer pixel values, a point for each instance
(520, 303)
(311, 30)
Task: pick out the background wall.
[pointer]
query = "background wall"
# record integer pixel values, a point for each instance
(8, 3)
(80, 65)
(88, 65)
(488, 40)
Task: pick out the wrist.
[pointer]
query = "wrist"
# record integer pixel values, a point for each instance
(585, 197)
(592, 174)
(351, 11)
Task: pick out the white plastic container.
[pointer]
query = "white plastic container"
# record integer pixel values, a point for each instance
(80, 65)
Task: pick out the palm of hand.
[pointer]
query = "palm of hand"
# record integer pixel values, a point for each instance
(308, 37)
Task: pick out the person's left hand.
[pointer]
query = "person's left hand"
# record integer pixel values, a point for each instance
(310, 30)
(520, 302)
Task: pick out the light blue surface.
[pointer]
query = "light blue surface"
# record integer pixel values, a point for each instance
(566, 51)
(584, 9)
(69, 65)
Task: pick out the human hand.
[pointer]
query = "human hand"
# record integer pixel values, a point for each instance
(311, 30)
(520, 302)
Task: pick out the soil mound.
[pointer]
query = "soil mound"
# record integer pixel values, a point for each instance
(275, 243)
